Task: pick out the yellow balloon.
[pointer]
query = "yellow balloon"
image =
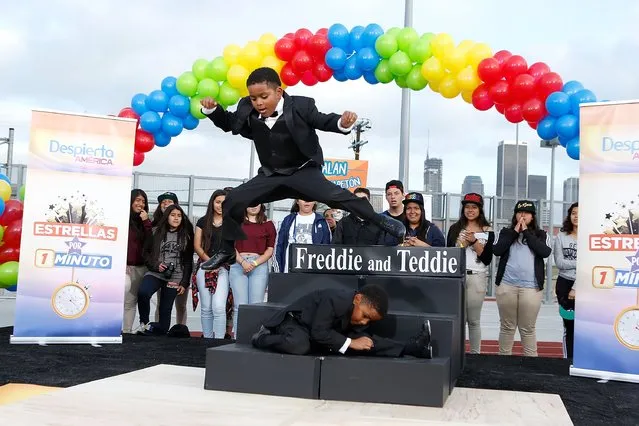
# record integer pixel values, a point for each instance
(467, 95)
(243, 91)
(231, 54)
(236, 76)
(467, 79)
(272, 62)
(433, 70)
(442, 44)
(448, 87)
(478, 53)
(267, 44)
(251, 56)
(5, 190)
(434, 86)
(455, 60)
(466, 45)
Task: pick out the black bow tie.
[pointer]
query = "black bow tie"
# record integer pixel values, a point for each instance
(275, 114)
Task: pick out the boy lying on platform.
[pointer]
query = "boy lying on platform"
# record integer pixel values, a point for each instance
(335, 321)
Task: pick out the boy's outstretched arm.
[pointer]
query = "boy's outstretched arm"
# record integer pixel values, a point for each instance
(225, 120)
(330, 122)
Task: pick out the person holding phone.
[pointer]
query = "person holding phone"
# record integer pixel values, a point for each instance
(473, 233)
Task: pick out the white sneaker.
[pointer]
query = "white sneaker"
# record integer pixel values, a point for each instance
(142, 329)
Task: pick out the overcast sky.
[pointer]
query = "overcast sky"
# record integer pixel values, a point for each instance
(92, 56)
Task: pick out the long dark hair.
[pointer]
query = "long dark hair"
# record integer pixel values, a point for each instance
(424, 224)
(134, 218)
(567, 226)
(534, 226)
(184, 231)
(463, 221)
(261, 215)
(207, 231)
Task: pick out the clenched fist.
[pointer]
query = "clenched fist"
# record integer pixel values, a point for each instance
(361, 343)
(348, 119)
(208, 103)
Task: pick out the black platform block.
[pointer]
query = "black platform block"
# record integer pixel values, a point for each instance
(386, 380)
(287, 288)
(242, 368)
(250, 319)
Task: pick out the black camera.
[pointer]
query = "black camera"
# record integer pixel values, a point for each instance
(168, 272)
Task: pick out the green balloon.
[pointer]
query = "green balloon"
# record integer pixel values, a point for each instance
(420, 51)
(383, 73)
(208, 87)
(414, 79)
(199, 68)
(187, 84)
(1, 233)
(427, 36)
(228, 94)
(400, 63)
(406, 37)
(21, 193)
(196, 107)
(386, 45)
(394, 31)
(8, 274)
(401, 81)
(217, 69)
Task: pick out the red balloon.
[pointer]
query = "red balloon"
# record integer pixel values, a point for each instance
(289, 35)
(12, 234)
(138, 158)
(288, 76)
(533, 125)
(523, 87)
(322, 72)
(514, 66)
(317, 46)
(538, 69)
(302, 36)
(502, 56)
(481, 98)
(9, 254)
(489, 70)
(129, 113)
(322, 31)
(144, 141)
(513, 113)
(533, 110)
(500, 108)
(13, 210)
(309, 78)
(285, 48)
(547, 84)
(500, 92)
(302, 62)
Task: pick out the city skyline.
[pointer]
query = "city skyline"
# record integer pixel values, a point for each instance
(571, 190)
(507, 170)
(473, 184)
(433, 174)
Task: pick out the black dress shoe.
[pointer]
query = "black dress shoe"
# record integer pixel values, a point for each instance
(256, 339)
(218, 259)
(419, 346)
(393, 226)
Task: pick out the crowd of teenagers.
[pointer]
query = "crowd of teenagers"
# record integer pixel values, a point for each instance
(165, 254)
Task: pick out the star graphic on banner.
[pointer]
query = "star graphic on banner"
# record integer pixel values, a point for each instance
(634, 262)
(75, 246)
(608, 215)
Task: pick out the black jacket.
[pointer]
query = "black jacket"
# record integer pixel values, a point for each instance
(326, 314)
(486, 256)
(536, 242)
(302, 119)
(353, 231)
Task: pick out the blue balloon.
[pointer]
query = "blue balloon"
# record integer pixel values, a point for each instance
(171, 125)
(338, 36)
(168, 86)
(157, 101)
(572, 87)
(335, 58)
(546, 128)
(581, 97)
(558, 104)
(567, 126)
(5, 178)
(138, 103)
(367, 59)
(370, 78)
(371, 34)
(355, 38)
(12, 288)
(189, 122)
(161, 139)
(179, 106)
(563, 141)
(1, 206)
(150, 121)
(572, 148)
(351, 70)
(340, 75)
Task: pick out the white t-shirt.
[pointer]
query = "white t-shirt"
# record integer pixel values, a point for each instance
(301, 232)
(472, 263)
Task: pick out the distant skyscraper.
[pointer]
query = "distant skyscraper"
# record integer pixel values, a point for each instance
(433, 168)
(537, 187)
(473, 184)
(571, 190)
(507, 168)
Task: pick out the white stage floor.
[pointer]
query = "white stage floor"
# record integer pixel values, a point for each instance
(171, 395)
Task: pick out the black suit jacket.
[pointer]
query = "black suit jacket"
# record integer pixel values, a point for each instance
(302, 119)
(326, 314)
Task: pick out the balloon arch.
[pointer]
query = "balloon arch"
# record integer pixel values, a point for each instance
(518, 91)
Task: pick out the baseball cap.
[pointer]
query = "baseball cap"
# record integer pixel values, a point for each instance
(525, 206)
(168, 196)
(473, 197)
(395, 184)
(414, 197)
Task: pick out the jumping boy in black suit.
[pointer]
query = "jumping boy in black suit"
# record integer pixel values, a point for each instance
(335, 321)
(283, 129)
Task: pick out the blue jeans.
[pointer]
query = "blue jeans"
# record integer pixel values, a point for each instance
(247, 288)
(148, 287)
(213, 305)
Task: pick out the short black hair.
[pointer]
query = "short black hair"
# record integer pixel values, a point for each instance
(376, 297)
(363, 191)
(264, 75)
